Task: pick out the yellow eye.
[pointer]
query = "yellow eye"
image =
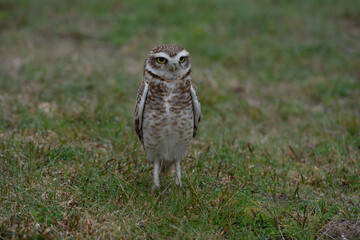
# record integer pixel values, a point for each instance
(161, 60)
(182, 59)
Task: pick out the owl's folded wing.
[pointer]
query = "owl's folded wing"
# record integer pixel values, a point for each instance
(139, 109)
(196, 108)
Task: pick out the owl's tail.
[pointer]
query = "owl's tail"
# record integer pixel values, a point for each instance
(167, 168)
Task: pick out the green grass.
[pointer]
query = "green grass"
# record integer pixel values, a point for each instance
(277, 152)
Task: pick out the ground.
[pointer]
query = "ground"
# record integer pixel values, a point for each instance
(277, 152)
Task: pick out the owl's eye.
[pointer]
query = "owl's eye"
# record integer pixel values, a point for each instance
(182, 59)
(161, 60)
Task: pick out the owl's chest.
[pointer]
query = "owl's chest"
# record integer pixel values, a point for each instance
(171, 100)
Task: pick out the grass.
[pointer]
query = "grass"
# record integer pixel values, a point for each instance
(277, 152)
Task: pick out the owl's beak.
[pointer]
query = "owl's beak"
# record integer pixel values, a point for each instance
(173, 67)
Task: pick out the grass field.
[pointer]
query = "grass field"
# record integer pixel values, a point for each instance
(277, 155)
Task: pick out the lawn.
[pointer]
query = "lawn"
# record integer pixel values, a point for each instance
(277, 154)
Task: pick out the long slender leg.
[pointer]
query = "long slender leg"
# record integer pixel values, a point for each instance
(178, 174)
(156, 174)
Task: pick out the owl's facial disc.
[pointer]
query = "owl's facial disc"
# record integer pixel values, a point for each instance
(171, 67)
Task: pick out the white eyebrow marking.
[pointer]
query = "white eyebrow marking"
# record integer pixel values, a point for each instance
(183, 53)
(161, 54)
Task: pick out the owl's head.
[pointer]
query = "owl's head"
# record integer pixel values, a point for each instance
(168, 61)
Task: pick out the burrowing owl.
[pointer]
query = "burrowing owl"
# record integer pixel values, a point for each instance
(167, 111)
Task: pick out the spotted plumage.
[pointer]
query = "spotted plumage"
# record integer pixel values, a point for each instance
(167, 111)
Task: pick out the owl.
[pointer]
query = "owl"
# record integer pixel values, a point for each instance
(167, 110)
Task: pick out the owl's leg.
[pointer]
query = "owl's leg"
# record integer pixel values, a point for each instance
(156, 174)
(178, 174)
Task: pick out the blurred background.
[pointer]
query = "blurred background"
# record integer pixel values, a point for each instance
(279, 83)
(261, 62)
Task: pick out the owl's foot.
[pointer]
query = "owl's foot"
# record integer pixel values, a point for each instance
(154, 189)
(178, 183)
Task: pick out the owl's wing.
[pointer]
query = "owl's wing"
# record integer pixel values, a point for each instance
(196, 108)
(139, 109)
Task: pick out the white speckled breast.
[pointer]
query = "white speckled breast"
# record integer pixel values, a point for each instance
(168, 120)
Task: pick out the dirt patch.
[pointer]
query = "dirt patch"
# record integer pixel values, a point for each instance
(9, 16)
(343, 229)
(353, 18)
